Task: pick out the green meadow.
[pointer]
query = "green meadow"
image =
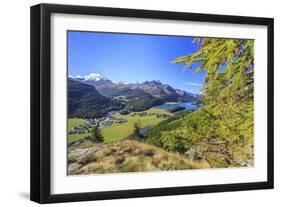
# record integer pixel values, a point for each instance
(75, 122)
(119, 131)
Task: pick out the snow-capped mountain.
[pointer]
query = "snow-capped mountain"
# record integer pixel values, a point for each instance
(119, 82)
(94, 79)
(90, 77)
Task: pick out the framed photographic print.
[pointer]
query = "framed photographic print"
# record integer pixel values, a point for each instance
(132, 103)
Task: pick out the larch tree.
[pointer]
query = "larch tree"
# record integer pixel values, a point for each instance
(228, 92)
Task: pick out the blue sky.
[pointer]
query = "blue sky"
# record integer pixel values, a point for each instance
(133, 57)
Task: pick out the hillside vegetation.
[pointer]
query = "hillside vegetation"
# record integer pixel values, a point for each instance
(126, 156)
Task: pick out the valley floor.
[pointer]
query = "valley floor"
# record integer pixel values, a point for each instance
(119, 131)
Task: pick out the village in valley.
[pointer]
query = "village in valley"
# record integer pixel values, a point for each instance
(109, 120)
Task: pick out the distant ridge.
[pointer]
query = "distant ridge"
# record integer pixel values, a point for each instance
(154, 88)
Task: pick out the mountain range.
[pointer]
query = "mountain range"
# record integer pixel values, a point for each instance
(129, 91)
(94, 96)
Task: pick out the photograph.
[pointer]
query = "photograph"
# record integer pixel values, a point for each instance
(140, 102)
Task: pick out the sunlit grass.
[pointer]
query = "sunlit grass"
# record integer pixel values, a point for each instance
(119, 131)
(75, 122)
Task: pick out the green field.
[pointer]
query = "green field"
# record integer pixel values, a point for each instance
(75, 122)
(76, 137)
(157, 111)
(118, 131)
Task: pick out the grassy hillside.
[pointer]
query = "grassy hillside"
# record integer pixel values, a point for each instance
(126, 156)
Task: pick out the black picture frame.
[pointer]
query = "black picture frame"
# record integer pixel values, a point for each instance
(40, 102)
